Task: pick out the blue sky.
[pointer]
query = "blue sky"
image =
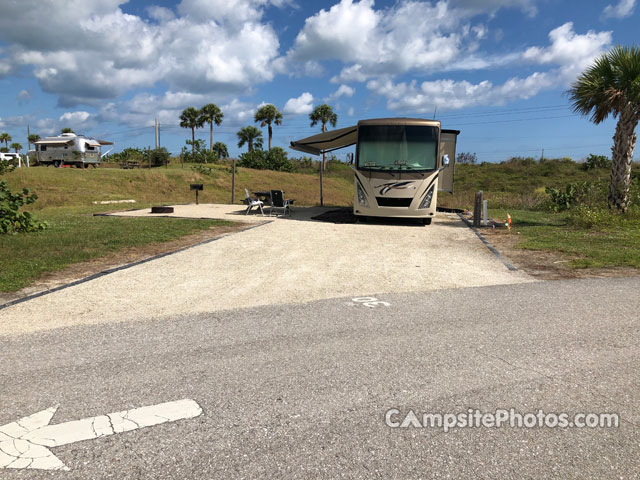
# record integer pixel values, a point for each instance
(497, 70)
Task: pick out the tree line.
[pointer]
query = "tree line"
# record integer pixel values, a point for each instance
(267, 116)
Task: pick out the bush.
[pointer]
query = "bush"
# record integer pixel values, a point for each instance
(593, 162)
(12, 220)
(274, 159)
(202, 170)
(199, 153)
(157, 157)
(520, 162)
(6, 166)
(126, 155)
(465, 157)
(587, 194)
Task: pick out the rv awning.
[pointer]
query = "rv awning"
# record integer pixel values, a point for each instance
(55, 142)
(327, 141)
(104, 142)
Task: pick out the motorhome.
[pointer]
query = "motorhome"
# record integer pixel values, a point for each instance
(69, 149)
(399, 166)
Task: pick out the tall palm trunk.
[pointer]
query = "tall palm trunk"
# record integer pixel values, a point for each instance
(270, 135)
(211, 137)
(624, 141)
(193, 140)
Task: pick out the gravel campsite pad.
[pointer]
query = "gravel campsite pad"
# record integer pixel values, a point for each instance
(279, 261)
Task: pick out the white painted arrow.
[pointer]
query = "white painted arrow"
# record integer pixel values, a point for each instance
(26, 443)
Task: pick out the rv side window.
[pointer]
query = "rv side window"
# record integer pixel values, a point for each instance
(91, 148)
(43, 148)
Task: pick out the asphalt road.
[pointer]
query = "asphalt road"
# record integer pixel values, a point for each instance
(301, 391)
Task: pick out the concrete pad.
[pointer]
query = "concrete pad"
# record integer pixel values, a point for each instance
(233, 213)
(287, 260)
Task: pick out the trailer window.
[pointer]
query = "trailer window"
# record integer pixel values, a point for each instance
(397, 147)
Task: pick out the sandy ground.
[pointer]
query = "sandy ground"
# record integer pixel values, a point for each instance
(287, 260)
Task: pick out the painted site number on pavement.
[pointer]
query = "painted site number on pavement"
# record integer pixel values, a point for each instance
(370, 302)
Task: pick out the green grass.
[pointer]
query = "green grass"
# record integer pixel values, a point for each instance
(611, 243)
(66, 196)
(77, 187)
(75, 235)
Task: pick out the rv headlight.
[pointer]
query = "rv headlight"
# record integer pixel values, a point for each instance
(362, 198)
(426, 201)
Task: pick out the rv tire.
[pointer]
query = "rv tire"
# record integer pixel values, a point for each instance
(57, 163)
(427, 221)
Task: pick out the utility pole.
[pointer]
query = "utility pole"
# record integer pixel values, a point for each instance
(26, 159)
(157, 135)
(542, 156)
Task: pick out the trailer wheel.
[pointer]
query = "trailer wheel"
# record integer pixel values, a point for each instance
(427, 221)
(78, 165)
(57, 163)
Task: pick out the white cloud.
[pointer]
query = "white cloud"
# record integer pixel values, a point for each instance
(410, 35)
(105, 52)
(623, 9)
(491, 6)
(24, 96)
(451, 95)
(160, 14)
(571, 51)
(343, 91)
(299, 106)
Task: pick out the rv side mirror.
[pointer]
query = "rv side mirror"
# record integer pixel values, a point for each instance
(350, 157)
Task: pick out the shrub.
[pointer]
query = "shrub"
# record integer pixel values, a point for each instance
(202, 170)
(588, 194)
(126, 155)
(200, 154)
(6, 166)
(12, 220)
(466, 157)
(593, 162)
(274, 159)
(156, 157)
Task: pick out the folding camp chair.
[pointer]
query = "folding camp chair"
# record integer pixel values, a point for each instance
(278, 202)
(252, 202)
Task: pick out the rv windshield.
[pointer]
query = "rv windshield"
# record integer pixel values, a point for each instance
(397, 147)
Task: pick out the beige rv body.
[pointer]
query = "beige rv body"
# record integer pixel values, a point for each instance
(388, 187)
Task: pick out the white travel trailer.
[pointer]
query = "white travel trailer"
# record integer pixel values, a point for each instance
(69, 149)
(400, 164)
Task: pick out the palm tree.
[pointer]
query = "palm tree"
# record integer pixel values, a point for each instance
(16, 147)
(6, 138)
(190, 118)
(266, 115)
(211, 114)
(66, 130)
(221, 149)
(323, 114)
(250, 135)
(611, 86)
(33, 138)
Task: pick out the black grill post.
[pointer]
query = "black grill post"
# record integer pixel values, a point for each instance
(197, 187)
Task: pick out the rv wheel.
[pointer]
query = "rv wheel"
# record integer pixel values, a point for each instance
(427, 221)
(57, 163)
